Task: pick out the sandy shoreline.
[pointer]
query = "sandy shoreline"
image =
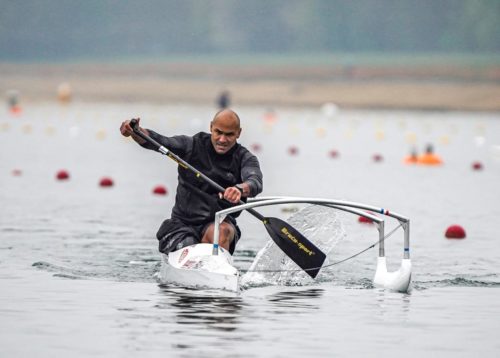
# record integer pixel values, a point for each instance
(438, 88)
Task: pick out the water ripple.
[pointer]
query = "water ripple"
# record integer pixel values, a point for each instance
(454, 282)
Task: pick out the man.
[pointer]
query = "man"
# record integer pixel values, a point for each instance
(221, 158)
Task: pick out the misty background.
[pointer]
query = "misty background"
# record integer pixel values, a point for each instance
(59, 30)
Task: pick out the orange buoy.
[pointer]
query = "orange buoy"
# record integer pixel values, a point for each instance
(377, 158)
(62, 175)
(293, 150)
(16, 110)
(455, 232)
(333, 153)
(365, 220)
(429, 159)
(160, 190)
(477, 166)
(410, 160)
(106, 182)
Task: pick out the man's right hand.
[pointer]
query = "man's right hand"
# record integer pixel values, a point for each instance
(127, 131)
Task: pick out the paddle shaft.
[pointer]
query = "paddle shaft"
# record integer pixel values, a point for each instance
(186, 165)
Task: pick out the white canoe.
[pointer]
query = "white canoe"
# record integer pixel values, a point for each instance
(196, 266)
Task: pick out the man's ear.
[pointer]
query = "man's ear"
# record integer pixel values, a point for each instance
(239, 133)
(211, 124)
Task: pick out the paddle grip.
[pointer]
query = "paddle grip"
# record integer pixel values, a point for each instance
(133, 124)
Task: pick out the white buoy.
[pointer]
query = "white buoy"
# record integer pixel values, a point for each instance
(329, 109)
(74, 131)
(479, 140)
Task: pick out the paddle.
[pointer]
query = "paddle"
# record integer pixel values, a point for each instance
(303, 252)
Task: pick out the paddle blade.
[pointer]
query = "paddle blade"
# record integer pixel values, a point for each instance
(303, 252)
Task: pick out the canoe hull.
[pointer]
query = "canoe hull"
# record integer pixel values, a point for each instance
(195, 267)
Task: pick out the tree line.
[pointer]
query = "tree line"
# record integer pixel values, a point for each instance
(59, 29)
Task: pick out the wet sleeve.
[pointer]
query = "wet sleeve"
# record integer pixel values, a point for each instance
(251, 173)
(179, 145)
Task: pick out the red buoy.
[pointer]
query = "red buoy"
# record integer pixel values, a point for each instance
(256, 147)
(106, 182)
(62, 175)
(160, 190)
(333, 153)
(477, 166)
(364, 220)
(293, 150)
(455, 232)
(270, 117)
(17, 172)
(377, 158)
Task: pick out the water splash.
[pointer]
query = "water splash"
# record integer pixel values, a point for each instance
(321, 225)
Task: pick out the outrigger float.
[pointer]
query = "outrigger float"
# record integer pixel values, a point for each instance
(210, 266)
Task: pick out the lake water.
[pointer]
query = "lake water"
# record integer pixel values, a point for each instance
(78, 262)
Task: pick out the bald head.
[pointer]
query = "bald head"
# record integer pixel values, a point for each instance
(225, 130)
(227, 116)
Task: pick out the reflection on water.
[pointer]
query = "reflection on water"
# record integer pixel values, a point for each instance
(296, 300)
(207, 309)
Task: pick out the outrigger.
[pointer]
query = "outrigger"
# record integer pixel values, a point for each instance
(207, 265)
(210, 266)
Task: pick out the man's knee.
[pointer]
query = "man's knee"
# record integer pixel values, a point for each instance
(226, 230)
(226, 233)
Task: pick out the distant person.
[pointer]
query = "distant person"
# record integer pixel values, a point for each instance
(429, 158)
(223, 101)
(13, 101)
(412, 158)
(221, 158)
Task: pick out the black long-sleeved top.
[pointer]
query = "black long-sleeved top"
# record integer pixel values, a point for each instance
(196, 201)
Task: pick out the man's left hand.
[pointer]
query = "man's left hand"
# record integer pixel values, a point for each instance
(232, 194)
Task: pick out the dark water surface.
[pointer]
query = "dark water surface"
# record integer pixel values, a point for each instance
(78, 262)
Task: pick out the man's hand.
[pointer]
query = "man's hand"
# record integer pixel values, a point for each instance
(127, 131)
(232, 194)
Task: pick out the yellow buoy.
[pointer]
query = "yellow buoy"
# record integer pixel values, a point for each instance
(50, 130)
(444, 140)
(411, 138)
(64, 92)
(380, 135)
(321, 132)
(27, 128)
(101, 134)
(4, 127)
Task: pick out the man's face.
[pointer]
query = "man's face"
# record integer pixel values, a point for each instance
(224, 133)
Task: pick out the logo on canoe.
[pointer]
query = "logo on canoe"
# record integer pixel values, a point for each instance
(192, 264)
(183, 255)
